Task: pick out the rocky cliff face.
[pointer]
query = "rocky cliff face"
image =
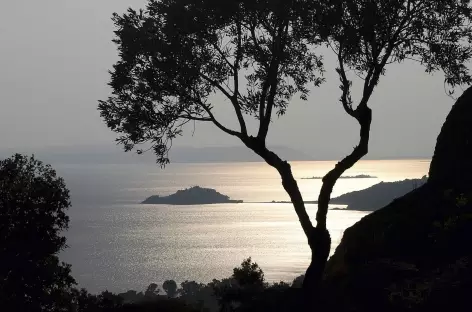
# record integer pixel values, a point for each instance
(451, 166)
(415, 254)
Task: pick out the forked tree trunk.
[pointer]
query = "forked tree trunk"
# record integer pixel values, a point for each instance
(320, 244)
(320, 240)
(318, 237)
(364, 117)
(288, 181)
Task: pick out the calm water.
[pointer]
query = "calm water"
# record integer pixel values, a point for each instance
(118, 244)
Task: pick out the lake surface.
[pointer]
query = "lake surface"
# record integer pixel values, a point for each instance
(118, 244)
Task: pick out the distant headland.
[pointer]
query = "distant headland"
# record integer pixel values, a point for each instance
(378, 195)
(360, 176)
(192, 196)
(374, 197)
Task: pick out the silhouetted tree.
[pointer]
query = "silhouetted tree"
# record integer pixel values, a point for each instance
(190, 288)
(198, 295)
(298, 281)
(239, 291)
(83, 301)
(280, 285)
(132, 296)
(109, 302)
(249, 274)
(170, 287)
(367, 36)
(33, 201)
(152, 291)
(176, 54)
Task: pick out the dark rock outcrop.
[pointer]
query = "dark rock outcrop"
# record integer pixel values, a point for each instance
(415, 253)
(451, 166)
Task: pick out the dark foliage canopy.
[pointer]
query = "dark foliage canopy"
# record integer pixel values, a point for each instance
(177, 53)
(369, 35)
(33, 201)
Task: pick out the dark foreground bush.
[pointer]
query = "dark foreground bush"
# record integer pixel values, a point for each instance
(245, 290)
(163, 305)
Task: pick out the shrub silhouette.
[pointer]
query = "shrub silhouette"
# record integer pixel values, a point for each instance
(170, 287)
(33, 202)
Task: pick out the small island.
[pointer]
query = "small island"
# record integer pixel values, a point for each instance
(360, 176)
(192, 196)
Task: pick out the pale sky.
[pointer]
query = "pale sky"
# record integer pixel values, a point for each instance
(54, 59)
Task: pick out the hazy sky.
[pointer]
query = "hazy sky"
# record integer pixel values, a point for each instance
(54, 59)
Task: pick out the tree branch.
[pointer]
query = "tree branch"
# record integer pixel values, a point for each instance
(194, 118)
(216, 122)
(262, 101)
(256, 42)
(222, 55)
(234, 102)
(237, 60)
(346, 85)
(216, 85)
(364, 116)
(272, 81)
(236, 67)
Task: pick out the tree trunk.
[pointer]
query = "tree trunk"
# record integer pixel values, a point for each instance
(320, 240)
(291, 187)
(320, 245)
(364, 117)
(288, 181)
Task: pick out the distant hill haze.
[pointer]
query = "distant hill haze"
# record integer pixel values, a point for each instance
(231, 154)
(112, 154)
(115, 155)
